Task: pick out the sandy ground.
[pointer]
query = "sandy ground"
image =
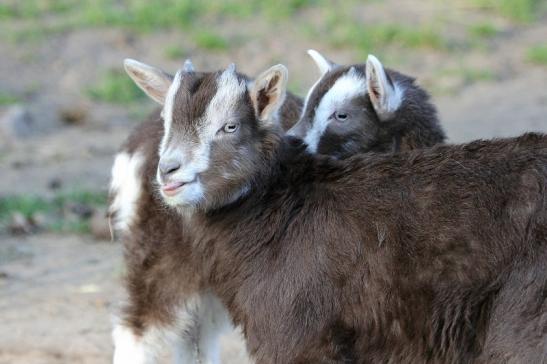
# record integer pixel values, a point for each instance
(58, 292)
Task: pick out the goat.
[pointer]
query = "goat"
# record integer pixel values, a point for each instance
(412, 257)
(176, 313)
(143, 238)
(365, 108)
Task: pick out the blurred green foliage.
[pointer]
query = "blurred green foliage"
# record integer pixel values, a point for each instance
(115, 87)
(538, 54)
(519, 10)
(8, 99)
(210, 41)
(483, 30)
(53, 208)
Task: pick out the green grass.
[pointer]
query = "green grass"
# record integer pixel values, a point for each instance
(115, 87)
(146, 16)
(538, 54)
(8, 99)
(483, 30)
(210, 41)
(519, 10)
(174, 52)
(53, 208)
(370, 38)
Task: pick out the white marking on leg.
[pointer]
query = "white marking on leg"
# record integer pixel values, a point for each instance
(131, 349)
(126, 186)
(201, 320)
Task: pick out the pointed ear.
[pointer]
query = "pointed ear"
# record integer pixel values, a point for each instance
(322, 63)
(153, 81)
(385, 95)
(268, 91)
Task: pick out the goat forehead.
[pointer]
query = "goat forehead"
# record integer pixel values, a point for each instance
(211, 100)
(346, 88)
(337, 85)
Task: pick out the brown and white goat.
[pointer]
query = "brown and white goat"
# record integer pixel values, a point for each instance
(166, 307)
(185, 317)
(413, 257)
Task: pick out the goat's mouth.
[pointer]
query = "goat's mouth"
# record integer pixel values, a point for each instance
(172, 188)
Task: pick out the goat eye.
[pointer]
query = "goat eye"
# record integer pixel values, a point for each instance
(340, 116)
(230, 127)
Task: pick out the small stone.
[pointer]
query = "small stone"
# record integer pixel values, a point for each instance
(73, 114)
(38, 221)
(55, 183)
(17, 122)
(100, 229)
(19, 224)
(82, 210)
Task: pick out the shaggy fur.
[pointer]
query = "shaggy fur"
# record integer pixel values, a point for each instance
(409, 258)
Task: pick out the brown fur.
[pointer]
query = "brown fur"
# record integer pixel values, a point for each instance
(407, 258)
(377, 259)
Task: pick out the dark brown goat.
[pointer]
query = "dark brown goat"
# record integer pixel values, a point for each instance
(365, 108)
(412, 258)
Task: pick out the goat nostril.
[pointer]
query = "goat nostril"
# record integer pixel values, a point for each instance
(169, 167)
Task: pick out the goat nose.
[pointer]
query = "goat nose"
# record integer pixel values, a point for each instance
(168, 167)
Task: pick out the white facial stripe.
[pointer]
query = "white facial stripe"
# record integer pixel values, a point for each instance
(126, 189)
(167, 111)
(347, 87)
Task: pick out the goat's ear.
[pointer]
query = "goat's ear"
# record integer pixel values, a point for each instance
(385, 95)
(268, 92)
(322, 63)
(153, 81)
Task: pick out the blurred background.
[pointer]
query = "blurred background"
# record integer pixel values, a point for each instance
(66, 106)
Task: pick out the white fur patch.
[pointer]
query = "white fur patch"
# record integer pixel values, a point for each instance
(194, 337)
(202, 321)
(347, 87)
(129, 348)
(126, 186)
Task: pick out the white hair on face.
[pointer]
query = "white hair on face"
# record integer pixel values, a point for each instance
(126, 188)
(347, 87)
(167, 112)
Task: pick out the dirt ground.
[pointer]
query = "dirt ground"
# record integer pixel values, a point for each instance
(58, 291)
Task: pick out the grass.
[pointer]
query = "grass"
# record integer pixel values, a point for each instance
(210, 41)
(143, 15)
(8, 99)
(538, 54)
(483, 30)
(523, 11)
(54, 209)
(115, 87)
(370, 38)
(174, 52)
